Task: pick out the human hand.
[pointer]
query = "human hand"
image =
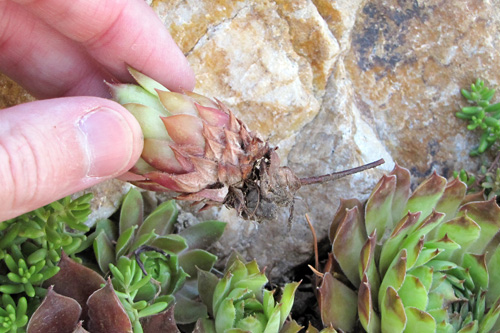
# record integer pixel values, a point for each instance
(59, 48)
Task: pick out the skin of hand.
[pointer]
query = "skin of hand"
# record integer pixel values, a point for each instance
(63, 52)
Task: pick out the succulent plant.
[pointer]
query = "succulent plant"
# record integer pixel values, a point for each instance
(79, 299)
(197, 147)
(426, 261)
(481, 115)
(150, 266)
(31, 246)
(238, 302)
(12, 315)
(59, 313)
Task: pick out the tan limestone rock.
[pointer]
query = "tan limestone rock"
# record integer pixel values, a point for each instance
(11, 93)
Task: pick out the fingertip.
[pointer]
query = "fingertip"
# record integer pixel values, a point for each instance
(112, 140)
(50, 149)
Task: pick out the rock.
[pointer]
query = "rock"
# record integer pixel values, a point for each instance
(11, 93)
(336, 84)
(381, 79)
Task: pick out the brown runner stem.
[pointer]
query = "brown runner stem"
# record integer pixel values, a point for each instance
(315, 243)
(340, 174)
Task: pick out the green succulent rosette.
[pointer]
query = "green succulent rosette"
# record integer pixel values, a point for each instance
(151, 266)
(421, 261)
(238, 302)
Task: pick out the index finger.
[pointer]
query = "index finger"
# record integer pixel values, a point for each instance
(116, 33)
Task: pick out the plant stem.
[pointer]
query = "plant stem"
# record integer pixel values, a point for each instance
(340, 174)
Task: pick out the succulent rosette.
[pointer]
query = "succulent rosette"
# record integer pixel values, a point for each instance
(196, 147)
(421, 261)
(238, 302)
(149, 263)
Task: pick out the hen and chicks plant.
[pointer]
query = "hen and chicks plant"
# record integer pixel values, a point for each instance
(421, 261)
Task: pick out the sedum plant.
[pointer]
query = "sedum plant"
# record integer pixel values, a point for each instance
(31, 246)
(12, 314)
(421, 261)
(238, 302)
(481, 115)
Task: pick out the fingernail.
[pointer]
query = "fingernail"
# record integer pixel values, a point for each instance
(108, 140)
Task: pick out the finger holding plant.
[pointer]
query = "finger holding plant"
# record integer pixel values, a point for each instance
(425, 261)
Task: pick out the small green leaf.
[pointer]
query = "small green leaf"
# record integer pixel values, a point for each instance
(132, 210)
(393, 317)
(225, 316)
(104, 251)
(162, 220)
(124, 241)
(204, 234)
(190, 260)
(334, 292)
(153, 309)
(419, 321)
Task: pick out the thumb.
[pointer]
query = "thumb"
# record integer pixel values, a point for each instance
(53, 148)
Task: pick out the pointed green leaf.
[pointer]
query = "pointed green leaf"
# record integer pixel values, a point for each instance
(367, 265)
(463, 231)
(367, 314)
(104, 251)
(221, 291)
(487, 215)
(417, 321)
(471, 327)
(125, 241)
(413, 293)
(287, 299)
(477, 268)
(393, 245)
(494, 271)
(414, 241)
(378, 208)
(393, 316)
(426, 196)
(225, 316)
(402, 192)
(345, 204)
(394, 277)
(132, 210)
(247, 324)
(426, 255)
(146, 82)
(204, 234)
(131, 93)
(206, 287)
(491, 318)
(349, 240)
(162, 219)
(149, 119)
(338, 305)
(291, 326)
(190, 260)
(445, 243)
(273, 322)
(170, 243)
(424, 274)
(451, 199)
(441, 265)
